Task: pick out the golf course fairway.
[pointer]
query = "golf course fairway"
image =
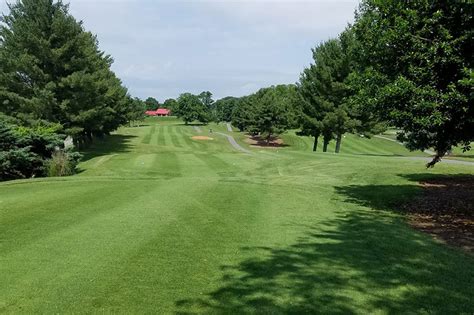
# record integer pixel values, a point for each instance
(159, 222)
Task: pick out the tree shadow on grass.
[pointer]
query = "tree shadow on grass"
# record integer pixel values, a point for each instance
(359, 263)
(111, 144)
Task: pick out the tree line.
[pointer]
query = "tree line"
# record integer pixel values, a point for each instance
(403, 64)
(54, 82)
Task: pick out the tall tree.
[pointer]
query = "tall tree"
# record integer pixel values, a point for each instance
(325, 93)
(421, 54)
(52, 70)
(206, 99)
(243, 114)
(135, 110)
(273, 112)
(170, 104)
(190, 108)
(224, 108)
(151, 103)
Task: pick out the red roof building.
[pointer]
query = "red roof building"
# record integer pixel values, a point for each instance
(163, 112)
(158, 112)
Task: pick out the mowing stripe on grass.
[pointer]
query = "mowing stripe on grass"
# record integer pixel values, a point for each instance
(174, 139)
(147, 138)
(161, 136)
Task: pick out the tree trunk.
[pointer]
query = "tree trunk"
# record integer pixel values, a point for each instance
(315, 144)
(338, 143)
(325, 144)
(268, 139)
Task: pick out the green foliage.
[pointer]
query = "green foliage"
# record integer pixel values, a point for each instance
(421, 53)
(151, 103)
(329, 109)
(273, 110)
(268, 112)
(170, 104)
(225, 107)
(135, 111)
(62, 163)
(24, 151)
(243, 113)
(51, 70)
(206, 99)
(191, 108)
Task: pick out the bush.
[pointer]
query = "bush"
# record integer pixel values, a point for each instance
(62, 163)
(27, 152)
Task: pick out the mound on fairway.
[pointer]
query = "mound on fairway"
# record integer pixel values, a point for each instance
(159, 223)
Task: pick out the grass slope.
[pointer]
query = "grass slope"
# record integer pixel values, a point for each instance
(159, 223)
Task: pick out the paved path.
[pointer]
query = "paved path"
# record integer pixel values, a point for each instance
(229, 127)
(234, 143)
(447, 161)
(197, 129)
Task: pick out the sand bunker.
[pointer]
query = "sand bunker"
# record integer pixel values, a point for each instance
(201, 138)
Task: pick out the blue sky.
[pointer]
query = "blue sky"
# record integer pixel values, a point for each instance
(164, 48)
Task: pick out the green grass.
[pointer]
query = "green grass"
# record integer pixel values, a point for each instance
(159, 223)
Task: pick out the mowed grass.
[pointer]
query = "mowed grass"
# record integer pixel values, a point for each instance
(157, 222)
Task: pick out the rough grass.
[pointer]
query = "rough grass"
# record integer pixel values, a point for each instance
(157, 222)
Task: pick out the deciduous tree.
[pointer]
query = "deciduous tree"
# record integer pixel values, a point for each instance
(421, 54)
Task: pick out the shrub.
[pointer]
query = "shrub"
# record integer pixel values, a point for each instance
(62, 163)
(26, 152)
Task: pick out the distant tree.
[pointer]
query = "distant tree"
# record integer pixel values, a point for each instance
(243, 114)
(206, 99)
(135, 110)
(170, 104)
(272, 112)
(151, 103)
(190, 108)
(416, 70)
(224, 108)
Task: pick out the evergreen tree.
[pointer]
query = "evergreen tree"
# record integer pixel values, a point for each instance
(52, 70)
(152, 104)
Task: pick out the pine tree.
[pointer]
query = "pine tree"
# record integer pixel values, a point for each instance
(52, 70)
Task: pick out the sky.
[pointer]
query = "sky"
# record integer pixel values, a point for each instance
(163, 48)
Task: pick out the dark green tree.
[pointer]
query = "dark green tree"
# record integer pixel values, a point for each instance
(224, 108)
(151, 103)
(243, 114)
(170, 104)
(420, 53)
(52, 70)
(26, 152)
(135, 110)
(190, 108)
(323, 89)
(273, 112)
(206, 100)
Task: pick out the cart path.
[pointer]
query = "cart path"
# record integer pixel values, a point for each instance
(458, 162)
(234, 143)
